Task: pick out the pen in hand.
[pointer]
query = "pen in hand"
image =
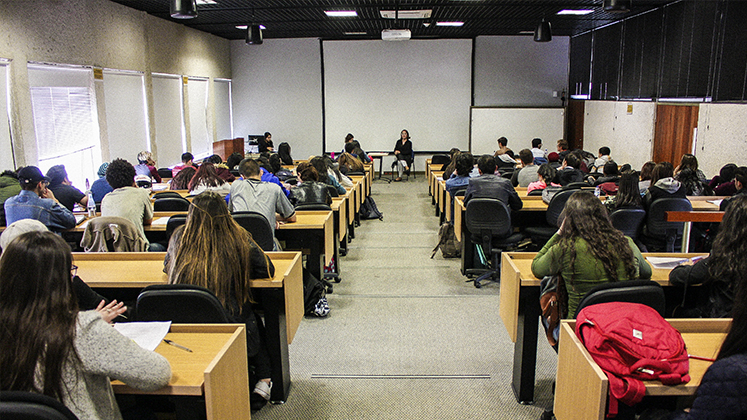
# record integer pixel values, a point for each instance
(171, 343)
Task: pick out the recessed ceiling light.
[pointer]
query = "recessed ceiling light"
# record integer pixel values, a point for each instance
(577, 12)
(449, 23)
(355, 33)
(244, 27)
(341, 13)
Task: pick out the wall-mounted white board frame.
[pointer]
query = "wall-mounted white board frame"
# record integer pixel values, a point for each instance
(518, 125)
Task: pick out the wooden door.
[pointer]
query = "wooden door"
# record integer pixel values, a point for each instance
(673, 136)
(574, 120)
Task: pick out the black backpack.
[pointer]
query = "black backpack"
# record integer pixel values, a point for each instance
(447, 242)
(369, 210)
(313, 290)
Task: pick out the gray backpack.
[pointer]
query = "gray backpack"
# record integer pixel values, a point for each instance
(447, 242)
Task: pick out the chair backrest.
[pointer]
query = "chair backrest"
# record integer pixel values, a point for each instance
(535, 192)
(171, 204)
(258, 225)
(557, 203)
(645, 292)
(440, 159)
(628, 221)
(19, 405)
(356, 173)
(166, 194)
(174, 222)
(332, 191)
(656, 222)
(577, 185)
(488, 215)
(164, 172)
(180, 303)
(313, 206)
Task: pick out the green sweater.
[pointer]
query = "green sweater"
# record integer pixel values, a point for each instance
(588, 271)
(9, 187)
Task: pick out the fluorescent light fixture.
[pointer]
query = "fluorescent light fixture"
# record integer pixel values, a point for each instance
(207, 2)
(683, 100)
(341, 13)
(406, 14)
(577, 12)
(526, 33)
(449, 23)
(244, 27)
(355, 33)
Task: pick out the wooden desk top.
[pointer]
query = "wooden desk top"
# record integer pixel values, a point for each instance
(312, 219)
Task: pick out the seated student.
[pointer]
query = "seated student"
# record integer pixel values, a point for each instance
(490, 185)
(689, 161)
(233, 161)
(628, 195)
(127, 200)
(502, 147)
(603, 157)
(537, 151)
(663, 185)
(268, 175)
(448, 168)
(528, 172)
(310, 190)
(181, 180)
(359, 153)
(212, 251)
(349, 163)
(740, 183)
(146, 166)
(63, 189)
(587, 251)
(206, 179)
(464, 162)
(569, 172)
(284, 150)
(9, 187)
(48, 346)
(692, 184)
(563, 149)
(35, 201)
(221, 169)
(545, 175)
(251, 194)
(609, 179)
(723, 183)
(554, 159)
(265, 144)
(319, 163)
(100, 187)
(506, 161)
(187, 160)
(645, 177)
(282, 174)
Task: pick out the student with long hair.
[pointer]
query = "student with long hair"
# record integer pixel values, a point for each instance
(349, 163)
(212, 251)
(284, 150)
(181, 180)
(49, 347)
(628, 195)
(663, 185)
(647, 171)
(207, 179)
(588, 250)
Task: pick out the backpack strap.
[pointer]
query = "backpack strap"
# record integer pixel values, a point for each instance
(628, 390)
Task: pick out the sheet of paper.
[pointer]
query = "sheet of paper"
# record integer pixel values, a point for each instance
(79, 218)
(159, 187)
(665, 262)
(84, 224)
(716, 202)
(147, 335)
(160, 221)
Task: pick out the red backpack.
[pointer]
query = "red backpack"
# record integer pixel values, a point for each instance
(631, 342)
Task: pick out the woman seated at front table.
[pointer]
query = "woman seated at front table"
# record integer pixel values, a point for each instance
(213, 251)
(403, 152)
(588, 251)
(49, 347)
(207, 179)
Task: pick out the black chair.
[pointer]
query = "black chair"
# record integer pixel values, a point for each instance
(646, 292)
(578, 186)
(313, 206)
(174, 222)
(541, 234)
(356, 173)
(164, 172)
(166, 194)
(171, 204)
(258, 225)
(20, 405)
(332, 191)
(628, 221)
(660, 235)
(488, 222)
(440, 159)
(180, 303)
(406, 172)
(535, 192)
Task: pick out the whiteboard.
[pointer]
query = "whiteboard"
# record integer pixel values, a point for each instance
(518, 125)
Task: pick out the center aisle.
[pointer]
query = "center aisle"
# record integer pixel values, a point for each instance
(406, 336)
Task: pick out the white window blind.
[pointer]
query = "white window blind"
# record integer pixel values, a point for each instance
(126, 120)
(169, 121)
(202, 141)
(65, 120)
(223, 113)
(6, 146)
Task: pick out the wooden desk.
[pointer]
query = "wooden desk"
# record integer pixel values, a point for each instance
(281, 297)
(313, 231)
(520, 311)
(695, 216)
(216, 369)
(380, 157)
(582, 387)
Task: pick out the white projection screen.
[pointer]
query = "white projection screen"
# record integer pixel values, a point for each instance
(374, 89)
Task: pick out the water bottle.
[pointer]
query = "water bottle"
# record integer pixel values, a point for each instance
(597, 191)
(91, 206)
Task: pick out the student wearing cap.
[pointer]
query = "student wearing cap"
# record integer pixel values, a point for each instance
(63, 189)
(147, 166)
(35, 201)
(100, 187)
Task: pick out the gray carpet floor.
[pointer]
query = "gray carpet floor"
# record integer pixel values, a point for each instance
(406, 336)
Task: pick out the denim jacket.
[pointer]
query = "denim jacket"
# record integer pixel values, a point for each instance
(28, 205)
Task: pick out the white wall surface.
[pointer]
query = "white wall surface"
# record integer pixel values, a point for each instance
(629, 136)
(722, 137)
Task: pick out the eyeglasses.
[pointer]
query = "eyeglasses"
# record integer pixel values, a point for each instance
(74, 270)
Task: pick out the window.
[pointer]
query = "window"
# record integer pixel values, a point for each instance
(223, 114)
(199, 129)
(126, 114)
(6, 145)
(169, 119)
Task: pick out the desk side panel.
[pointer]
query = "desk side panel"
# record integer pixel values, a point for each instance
(227, 382)
(509, 300)
(294, 298)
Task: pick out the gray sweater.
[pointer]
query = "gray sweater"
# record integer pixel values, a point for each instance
(106, 354)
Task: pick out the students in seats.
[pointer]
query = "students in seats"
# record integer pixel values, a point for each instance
(448, 168)
(587, 250)
(554, 159)
(310, 190)
(647, 170)
(609, 179)
(265, 144)
(403, 153)
(320, 164)
(689, 161)
(663, 185)
(569, 172)
(251, 194)
(723, 183)
(63, 189)
(628, 195)
(9, 187)
(502, 147)
(349, 163)
(740, 183)
(127, 200)
(528, 173)
(221, 169)
(537, 151)
(268, 175)
(36, 201)
(206, 179)
(489, 185)
(563, 149)
(212, 251)
(147, 166)
(602, 158)
(181, 180)
(49, 347)
(100, 187)
(187, 161)
(464, 162)
(545, 175)
(233, 161)
(692, 183)
(359, 153)
(284, 150)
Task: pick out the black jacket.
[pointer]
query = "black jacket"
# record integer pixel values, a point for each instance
(715, 298)
(492, 186)
(310, 192)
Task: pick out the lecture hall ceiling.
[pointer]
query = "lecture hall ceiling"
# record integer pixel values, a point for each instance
(306, 19)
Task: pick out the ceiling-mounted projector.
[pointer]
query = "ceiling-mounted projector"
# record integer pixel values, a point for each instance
(395, 34)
